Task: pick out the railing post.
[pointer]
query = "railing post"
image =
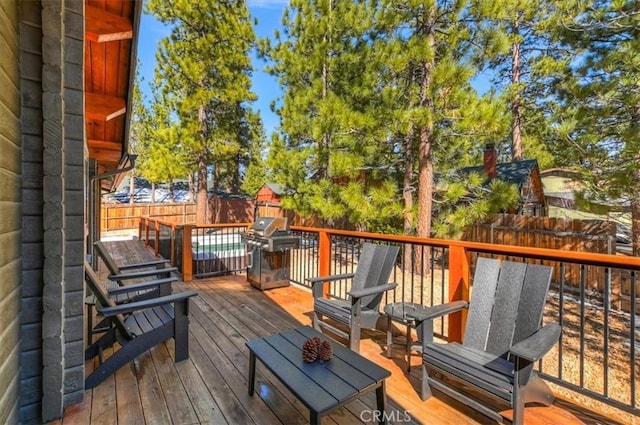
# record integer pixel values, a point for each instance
(157, 238)
(458, 290)
(324, 259)
(187, 260)
(172, 242)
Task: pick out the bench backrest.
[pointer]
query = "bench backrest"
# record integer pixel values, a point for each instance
(374, 268)
(507, 303)
(102, 297)
(102, 251)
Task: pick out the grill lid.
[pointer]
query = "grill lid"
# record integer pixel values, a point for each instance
(267, 226)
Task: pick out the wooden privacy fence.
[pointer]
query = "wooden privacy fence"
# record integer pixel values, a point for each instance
(125, 216)
(595, 236)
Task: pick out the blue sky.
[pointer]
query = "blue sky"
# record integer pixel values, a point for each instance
(267, 12)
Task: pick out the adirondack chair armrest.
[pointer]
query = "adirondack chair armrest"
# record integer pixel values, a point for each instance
(439, 310)
(332, 278)
(159, 264)
(143, 273)
(142, 286)
(359, 293)
(538, 344)
(146, 304)
(317, 289)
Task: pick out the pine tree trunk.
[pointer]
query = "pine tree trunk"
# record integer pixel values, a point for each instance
(191, 188)
(153, 193)
(171, 192)
(425, 146)
(201, 197)
(132, 187)
(215, 200)
(425, 159)
(516, 131)
(407, 195)
(635, 225)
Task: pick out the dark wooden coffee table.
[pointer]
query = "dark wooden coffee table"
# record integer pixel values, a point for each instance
(320, 386)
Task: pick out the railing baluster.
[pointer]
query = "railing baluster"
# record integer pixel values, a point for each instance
(605, 367)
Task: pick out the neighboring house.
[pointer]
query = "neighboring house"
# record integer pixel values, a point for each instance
(524, 174)
(560, 187)
(66, 75)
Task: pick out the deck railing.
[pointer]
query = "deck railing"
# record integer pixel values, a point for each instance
(594, 297)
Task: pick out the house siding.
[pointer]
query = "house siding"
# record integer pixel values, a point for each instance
(10, 211)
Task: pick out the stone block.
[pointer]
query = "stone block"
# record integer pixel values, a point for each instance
(73, 25)
(52, 115)
(73, 101)
(74, 280)
(32, 259)
(31, 121)
(73, 51)
(31, 63)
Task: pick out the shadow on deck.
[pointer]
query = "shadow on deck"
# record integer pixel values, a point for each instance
(211, 386)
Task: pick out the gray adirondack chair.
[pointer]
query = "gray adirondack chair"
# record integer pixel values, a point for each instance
(492, 370)
(159, 284)
(362, 308)
(137, 327)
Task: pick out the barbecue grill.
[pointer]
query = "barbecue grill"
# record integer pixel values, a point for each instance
(268, 243)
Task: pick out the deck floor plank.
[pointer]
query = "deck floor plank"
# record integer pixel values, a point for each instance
(151, 395)
(211, 386)
(204, 404)
(175, 395)
(129, 405)
(259, 412)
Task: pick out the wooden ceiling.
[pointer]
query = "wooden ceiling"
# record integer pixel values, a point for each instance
(111, 29)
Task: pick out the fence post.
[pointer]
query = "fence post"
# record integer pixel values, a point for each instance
(324, 259)
(187, 260)
(458, 290)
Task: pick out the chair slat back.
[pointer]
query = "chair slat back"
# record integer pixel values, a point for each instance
(98, 290)
(374, 268)
(532, 301)
(505, 310)
(102, 251)
(485, 280)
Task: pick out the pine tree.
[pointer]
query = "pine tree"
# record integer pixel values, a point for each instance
(597, 99)
(203, 70)
(516, 42)
(333, 153)
(138, 130)
(438, 117)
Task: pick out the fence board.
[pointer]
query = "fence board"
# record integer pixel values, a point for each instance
(595, 236)
(125, 216)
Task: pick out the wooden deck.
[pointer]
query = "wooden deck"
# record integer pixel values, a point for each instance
(211, 386)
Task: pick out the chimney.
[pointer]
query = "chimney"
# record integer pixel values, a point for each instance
(490, 157)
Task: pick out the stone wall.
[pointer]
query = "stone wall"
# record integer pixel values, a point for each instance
(51, 56)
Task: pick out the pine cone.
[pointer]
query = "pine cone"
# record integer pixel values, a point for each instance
(325, 351)
(310, 351)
